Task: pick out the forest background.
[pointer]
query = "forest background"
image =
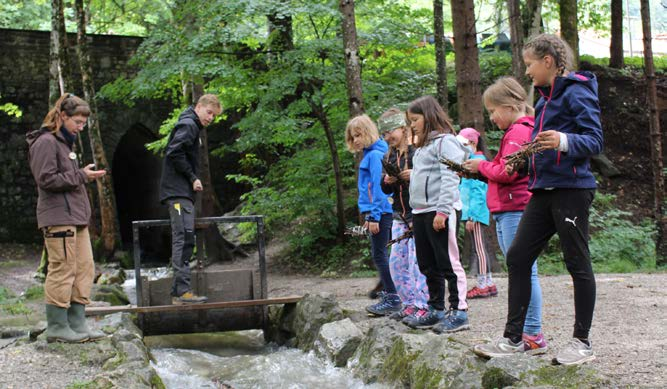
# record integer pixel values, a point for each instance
(282, 71)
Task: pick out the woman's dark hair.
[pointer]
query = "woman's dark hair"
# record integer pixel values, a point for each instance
(69, 104)
(435, 118)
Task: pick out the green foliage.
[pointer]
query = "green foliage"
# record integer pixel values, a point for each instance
(11, 110)
(617, 245)
(284, 99)
(5, 294)
(28, 15)
(634, 63)
(34, 292)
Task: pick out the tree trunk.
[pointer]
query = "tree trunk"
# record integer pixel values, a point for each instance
(355, 102)
(60, 75)
(352, 61)
(319, 112)
(469, 102)
(532, 18)
(440, 54)
(54, 74)
(516, 39)
(569, 27)
(655, 136)
(107, 202)
(616, 47)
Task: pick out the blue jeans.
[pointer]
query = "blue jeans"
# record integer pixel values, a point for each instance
(506, 226)
(379, 252)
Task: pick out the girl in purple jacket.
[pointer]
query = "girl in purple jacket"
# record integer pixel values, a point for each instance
(568, 131)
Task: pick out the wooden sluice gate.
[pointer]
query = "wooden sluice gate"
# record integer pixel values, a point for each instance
(237, 299)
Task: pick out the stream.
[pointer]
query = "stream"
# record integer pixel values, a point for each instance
(238, 360)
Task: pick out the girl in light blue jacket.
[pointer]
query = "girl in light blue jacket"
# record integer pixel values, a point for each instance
(476, 215)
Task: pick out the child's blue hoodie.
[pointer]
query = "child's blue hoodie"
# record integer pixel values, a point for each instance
(571, 106)
(372, 200)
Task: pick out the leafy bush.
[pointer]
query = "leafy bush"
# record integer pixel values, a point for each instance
(636, 63)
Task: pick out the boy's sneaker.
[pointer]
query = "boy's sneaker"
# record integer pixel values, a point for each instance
(498, 348)
(188, 298)
(403, 313)
(419, 313)
(534, 344)
(478, 293)
(454, 321)
(389, 303)
(428, 320)
(575, 353)
(493, 291)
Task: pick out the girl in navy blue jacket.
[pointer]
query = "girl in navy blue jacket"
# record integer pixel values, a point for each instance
(361, 134)
(568, 130)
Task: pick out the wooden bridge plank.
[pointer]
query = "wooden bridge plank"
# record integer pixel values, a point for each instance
(95, 311)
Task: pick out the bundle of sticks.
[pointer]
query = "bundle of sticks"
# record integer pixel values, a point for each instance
(356, 231)
(393, 171)
(459, 169)
(518, 158)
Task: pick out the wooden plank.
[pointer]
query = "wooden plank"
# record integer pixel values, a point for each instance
(94, 311)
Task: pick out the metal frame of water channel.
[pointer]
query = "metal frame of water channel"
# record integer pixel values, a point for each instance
(259, 219)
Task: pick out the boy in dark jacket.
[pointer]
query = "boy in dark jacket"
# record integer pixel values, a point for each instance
(178, 185)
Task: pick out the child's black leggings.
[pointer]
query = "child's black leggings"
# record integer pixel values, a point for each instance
(562, 211)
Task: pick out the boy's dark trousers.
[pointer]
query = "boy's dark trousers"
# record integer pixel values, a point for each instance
(433, 260)
(182, 215)
(562, 211)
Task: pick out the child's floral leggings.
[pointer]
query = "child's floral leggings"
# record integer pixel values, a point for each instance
(410, 282)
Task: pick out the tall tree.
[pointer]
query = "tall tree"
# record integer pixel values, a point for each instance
(440, 54)
(352, 60)
(569, 30)
(616, 47)
(469, 96)
(355, 99)
(516, 39)
(655, 136)
(110, 231)
(60, 76)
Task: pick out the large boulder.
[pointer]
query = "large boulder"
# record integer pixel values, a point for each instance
(311, 313)
(526, 371)
(338, 340)
(369, 359)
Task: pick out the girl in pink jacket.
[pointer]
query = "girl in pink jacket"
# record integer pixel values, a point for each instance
(507, 196)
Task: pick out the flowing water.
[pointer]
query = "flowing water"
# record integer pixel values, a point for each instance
(242, 360)
(237, 360)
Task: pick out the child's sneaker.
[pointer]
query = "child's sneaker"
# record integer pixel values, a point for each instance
(428, 320)
(389, 303)
(419, 313)
(403, 313)
(575, 353)
(454, 321)
(478, 293)
(498, 348)
(493, 291)
(534, 344)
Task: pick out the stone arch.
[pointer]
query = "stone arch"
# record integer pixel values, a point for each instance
(136, 172)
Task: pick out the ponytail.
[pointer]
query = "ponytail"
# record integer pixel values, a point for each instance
(69, 104)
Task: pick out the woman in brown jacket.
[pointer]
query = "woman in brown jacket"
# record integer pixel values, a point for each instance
(63, 212)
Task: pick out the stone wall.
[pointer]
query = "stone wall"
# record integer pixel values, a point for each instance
(24, 81)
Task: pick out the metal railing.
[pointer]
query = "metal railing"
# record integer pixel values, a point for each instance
(136, 225)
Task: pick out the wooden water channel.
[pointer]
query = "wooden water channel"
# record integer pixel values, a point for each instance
(237, 299)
